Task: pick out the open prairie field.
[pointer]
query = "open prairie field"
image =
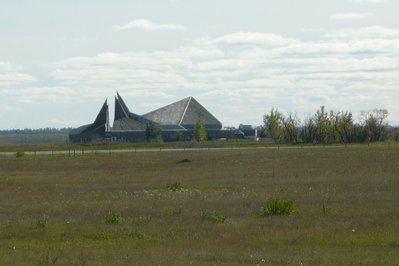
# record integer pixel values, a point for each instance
(202, 207)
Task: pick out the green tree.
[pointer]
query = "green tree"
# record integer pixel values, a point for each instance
(273, 124)
(374, 123)
(345, 126)
(290, 128)
(308, 133)
(321, 120)
(153, 133)
(199, 133)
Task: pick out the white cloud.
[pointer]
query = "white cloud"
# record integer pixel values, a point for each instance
(13, 78)
(351, 16)
(9, 108)
(370, 1)
(372, 32)
(143, 24)
(11, 75)
(79, 39)
(255, 38)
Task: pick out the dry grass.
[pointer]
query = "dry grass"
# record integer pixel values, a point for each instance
(53, 209)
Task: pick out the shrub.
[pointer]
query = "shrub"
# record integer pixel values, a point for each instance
(113, 217)
(19, 154)
(42, 221)
(278, 206)
(175, 187)
(215, 217)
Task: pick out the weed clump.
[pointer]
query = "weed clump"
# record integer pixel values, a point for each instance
(113, 217)
(215, 217)
(325, 207)
(175, 187)
(136, 235)
(278, 206)
(42, 222)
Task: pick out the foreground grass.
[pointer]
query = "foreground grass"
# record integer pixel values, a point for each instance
(54, 209)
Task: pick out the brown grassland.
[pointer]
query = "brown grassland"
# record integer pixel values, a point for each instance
(101, 209)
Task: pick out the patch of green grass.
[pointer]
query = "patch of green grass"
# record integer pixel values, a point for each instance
(136, 235)
(278, 206)
(175, 187)
(113, 217)
(215, 217)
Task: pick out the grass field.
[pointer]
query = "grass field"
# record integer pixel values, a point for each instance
(156, 208)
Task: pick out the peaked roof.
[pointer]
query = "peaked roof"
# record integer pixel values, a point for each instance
(126, 120)
(99, 126)
(184, 113)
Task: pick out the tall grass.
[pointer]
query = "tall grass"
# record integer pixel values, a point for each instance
(278, 206)
(215, 221)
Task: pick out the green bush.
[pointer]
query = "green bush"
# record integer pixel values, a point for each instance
(278, 206)
(175, 187)
(113, 217)
(19, 154)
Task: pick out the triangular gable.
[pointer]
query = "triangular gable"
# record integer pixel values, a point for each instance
(195, 111)
(169, 115)
(184, 113)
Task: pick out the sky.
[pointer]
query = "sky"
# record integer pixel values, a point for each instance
(60, 60)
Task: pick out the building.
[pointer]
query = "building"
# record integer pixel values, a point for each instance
(176, 122)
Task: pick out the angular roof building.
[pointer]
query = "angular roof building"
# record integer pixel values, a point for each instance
(178, 119)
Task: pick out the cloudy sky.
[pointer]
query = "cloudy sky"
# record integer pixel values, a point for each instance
(59, 60)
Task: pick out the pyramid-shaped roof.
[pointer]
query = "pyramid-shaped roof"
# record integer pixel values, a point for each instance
(184, 113)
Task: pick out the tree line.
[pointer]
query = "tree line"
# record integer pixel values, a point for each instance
(29, 131)
(326, 127)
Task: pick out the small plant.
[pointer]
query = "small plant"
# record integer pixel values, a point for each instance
(19, 154)
(325, 208)
(175, 187)
(113, 217)
(42, 221)
(278, 206)
(136, 235)
(215, 217)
